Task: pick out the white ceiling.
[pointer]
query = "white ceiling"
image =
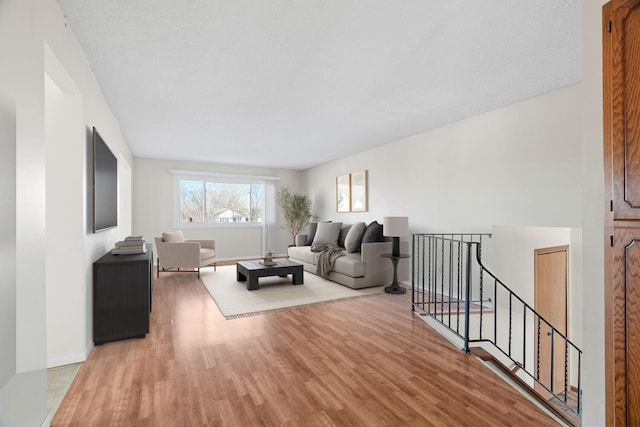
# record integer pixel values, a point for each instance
(295, 83)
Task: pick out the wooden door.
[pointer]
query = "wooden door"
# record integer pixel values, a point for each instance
(621, 77)
(626, 333)
(625, 91)
(551, 289)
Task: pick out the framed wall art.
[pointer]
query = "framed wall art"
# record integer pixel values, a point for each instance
(359, 191)
(343, 193)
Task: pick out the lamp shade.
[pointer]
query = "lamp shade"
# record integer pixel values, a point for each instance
(395, 226)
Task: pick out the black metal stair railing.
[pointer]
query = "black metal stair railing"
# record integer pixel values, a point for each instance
(451, 285)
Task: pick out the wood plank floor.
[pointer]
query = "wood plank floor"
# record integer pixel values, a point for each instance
(367, 361)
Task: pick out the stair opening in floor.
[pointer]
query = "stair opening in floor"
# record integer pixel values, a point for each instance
(451, 286)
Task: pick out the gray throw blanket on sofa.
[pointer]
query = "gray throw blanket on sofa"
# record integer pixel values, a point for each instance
(327, 258)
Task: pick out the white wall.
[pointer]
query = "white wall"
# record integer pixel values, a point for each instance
(71, 169)
(7, 242)
(64, 146)
(153, 206)
(518, 165)
(513, 263)
(32, 33)
(95, 112)
(513, 254)
(576, 292)
(21, 83)
(593, 214)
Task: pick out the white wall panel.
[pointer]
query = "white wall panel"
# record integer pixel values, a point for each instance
(593, 214)
(26, 29)
(518, 165)
(65, 154)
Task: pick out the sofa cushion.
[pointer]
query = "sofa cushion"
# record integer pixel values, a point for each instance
(354, 237)
(350, 265)
(373, 233)
(173, 236)
(302, 253)
(343, 234)
(327, 233)
(313, 226)
(206, 253)
(311, 233)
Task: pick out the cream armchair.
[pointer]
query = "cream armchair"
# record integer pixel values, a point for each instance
(176, 252)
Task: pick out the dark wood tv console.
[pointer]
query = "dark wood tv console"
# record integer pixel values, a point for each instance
(122, 286)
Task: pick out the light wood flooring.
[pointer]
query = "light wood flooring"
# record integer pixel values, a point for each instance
(360, 362)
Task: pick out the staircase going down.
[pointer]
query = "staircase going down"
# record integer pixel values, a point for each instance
(453, 292)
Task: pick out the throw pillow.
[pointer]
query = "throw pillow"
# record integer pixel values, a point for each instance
(373, 233)
(343, 234)
(311, 233)
(327, 233)
(354, 237)
(313, 226)
(173, 236)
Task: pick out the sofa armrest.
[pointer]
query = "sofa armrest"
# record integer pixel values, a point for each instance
(372, 252)
(301, 240)
(179, 254)
(376, 266)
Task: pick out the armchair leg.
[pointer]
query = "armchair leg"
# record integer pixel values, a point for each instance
(158, 268)
(214, 266)
(198, 272)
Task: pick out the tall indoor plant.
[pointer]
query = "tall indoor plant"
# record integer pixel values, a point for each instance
(296, 210)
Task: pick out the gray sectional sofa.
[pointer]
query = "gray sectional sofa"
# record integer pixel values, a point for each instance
(361, 264)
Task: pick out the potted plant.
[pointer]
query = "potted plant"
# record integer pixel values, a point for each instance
(296, 209)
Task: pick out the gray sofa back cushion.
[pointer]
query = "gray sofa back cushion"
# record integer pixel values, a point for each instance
(343, 234)
(313, 226)
(353, 240)
(373, 233)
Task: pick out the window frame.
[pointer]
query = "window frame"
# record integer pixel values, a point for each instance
(179, 175)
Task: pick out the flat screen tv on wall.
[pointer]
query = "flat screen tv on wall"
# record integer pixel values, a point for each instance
(105, 185)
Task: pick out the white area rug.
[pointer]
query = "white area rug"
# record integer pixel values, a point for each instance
(275, 293)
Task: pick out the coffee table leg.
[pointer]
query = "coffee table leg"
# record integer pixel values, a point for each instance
(252, 283)
(298, 277)
(240, 277)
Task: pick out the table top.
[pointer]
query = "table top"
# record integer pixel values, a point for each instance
(280, 262)
(399, 256)
(110, 258)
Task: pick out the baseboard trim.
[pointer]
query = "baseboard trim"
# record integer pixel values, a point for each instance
(88, 350)
(70, 359)
(66, 360)
(243, 258)
(47, 421)
(235, 259)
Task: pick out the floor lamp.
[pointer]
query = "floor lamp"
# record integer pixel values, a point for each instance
(395, 227)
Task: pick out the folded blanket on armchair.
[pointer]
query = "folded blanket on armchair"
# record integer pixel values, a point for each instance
(327, 258)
